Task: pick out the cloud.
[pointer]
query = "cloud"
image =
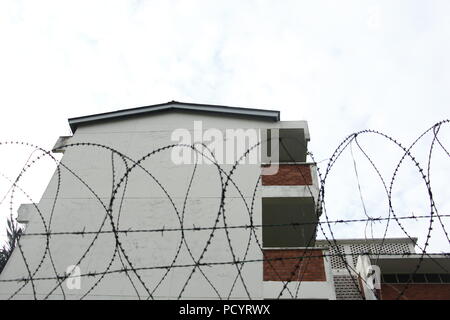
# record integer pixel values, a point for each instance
(343, 66)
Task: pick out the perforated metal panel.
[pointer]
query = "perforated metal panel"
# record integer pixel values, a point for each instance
(376, 248)
(338, 257)
(346, 288)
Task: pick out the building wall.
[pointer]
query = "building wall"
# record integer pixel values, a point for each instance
(302, 273)
(294, 265)
(84, 187)
(289, 175)
(143, 205)
(344, 257)
(294, 273)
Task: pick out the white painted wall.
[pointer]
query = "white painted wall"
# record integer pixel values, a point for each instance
(301, 289)
(145, 206)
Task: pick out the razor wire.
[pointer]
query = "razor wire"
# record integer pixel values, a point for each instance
(133, 271)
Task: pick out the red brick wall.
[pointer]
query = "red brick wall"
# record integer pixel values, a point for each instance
(416, 291)
(289, 175)
(310, 268)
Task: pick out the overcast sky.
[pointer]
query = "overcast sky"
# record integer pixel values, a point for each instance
(341, 65)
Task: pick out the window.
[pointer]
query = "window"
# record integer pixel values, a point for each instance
(433, 278)
(284, 222)
(416, 278)
(292, 145)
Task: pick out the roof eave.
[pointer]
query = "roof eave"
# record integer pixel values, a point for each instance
(271, 115)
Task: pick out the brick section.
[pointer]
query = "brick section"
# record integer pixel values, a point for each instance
(288, 175)
(416, 291)
(309, 268)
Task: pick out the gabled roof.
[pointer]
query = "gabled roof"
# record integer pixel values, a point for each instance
(271, 115)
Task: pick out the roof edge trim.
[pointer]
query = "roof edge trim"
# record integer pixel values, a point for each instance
(272, 115)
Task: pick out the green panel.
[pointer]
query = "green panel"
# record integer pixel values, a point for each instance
(293, 145)
(287, 211)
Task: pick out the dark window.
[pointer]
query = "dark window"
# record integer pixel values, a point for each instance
(404, 278)
(419, 278)
(416, 278)
(433, 278)
(282, 220)
(292, 146)
(445, 277)
(389, 278)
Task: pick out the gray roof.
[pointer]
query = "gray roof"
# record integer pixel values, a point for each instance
(270, 115)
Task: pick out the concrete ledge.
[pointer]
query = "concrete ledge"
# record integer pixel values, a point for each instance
(306, 290)
(58, 147)
(290, 191)
(26, 212)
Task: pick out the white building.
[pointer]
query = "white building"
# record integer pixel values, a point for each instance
(155, 195)
(131, 213)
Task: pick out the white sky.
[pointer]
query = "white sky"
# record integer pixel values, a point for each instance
(341, 65)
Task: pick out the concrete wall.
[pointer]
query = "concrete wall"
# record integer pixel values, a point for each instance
(141, 203)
